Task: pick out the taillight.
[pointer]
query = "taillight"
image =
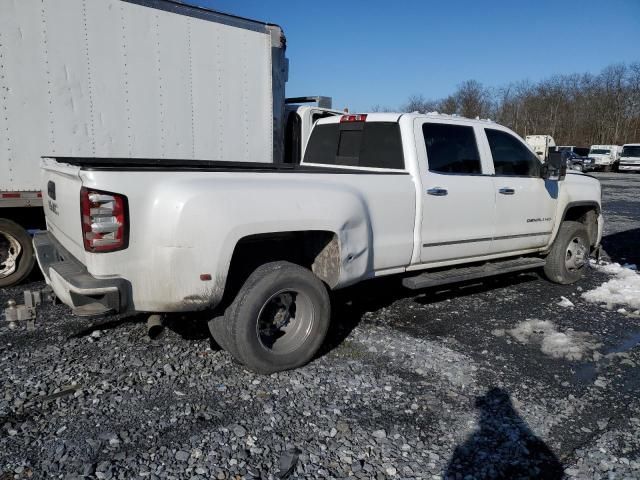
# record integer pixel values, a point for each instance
(104, 220)
(353, 118)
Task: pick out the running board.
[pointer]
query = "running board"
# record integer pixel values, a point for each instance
(462, 274)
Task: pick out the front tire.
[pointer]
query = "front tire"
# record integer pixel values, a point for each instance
(569, 255)
(279, 319)
(16, 253)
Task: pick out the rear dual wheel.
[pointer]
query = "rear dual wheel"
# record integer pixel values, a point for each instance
(16, 253)
(278, 320)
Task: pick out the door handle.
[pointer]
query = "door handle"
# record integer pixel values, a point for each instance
(437, 191)
(507, 191)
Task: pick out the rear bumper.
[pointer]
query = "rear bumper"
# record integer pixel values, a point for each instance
(73, 284)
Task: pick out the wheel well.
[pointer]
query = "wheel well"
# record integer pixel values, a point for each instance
(26, 217)
(316, 250)
(587, 215)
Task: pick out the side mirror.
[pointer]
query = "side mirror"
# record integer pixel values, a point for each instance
(555, 168)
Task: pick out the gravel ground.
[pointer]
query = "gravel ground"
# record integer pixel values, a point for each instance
(466, 382)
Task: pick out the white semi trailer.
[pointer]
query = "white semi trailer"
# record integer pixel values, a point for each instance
(540, 145)
(129, 78)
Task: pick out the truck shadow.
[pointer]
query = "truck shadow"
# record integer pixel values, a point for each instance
(622, 247)
(189, 327)
(109, 322)
(350, 305)
(503, 446)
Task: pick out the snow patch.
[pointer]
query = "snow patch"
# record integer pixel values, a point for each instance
(571, 345)
(565, 302)
(622, 289)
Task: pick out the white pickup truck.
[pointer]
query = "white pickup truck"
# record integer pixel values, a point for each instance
(436, 198)
(605, 157)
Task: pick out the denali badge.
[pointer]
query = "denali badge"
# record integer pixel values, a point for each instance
(53, 206)
(546, 219)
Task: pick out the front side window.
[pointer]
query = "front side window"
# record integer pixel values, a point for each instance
(451, 149)
(510, 156)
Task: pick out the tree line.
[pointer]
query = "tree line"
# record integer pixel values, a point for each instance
(576, 109)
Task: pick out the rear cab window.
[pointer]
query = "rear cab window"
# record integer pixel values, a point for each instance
(356, 144)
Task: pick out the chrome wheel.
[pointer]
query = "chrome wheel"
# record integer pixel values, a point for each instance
(10, 250)
(576, 255)
(285, 322)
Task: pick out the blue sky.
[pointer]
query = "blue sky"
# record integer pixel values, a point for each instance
(363, 53)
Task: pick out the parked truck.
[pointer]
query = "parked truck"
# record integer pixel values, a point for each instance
(135, 79)
(605, 157)
(580, 151)
(630, 158)
(435, 198)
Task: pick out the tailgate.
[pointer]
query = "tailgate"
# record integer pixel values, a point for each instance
(61, 186)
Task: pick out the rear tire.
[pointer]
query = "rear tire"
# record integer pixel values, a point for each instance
(16, 253)
(279, 319)
(569, 255)
(219, 328)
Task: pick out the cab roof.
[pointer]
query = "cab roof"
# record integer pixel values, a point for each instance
(395, 117)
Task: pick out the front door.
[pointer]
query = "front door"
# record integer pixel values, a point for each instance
(457, 199)
(525, 202)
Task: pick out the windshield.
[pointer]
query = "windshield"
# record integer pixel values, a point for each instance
(600, 151)
(631, 151)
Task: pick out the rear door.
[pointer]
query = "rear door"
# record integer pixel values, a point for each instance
(457, 198)
(525, 202)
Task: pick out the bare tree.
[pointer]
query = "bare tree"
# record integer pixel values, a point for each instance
(577, 109)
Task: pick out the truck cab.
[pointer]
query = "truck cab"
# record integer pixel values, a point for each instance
(630, 158)
(605, 157)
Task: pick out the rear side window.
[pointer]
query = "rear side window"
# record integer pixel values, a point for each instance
(451, 148)
(510, 156)
(360, 144)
